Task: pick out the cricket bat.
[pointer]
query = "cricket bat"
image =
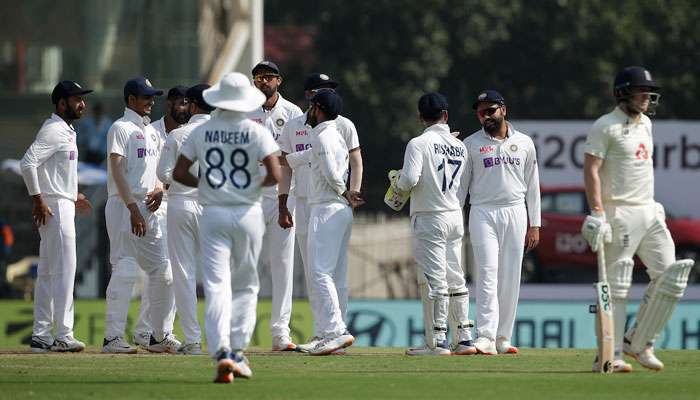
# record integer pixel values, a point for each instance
(605, 327)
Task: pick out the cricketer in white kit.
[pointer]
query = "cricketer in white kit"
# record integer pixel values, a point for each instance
(175, 116)
(136, 238)
(330, 221)
(184, 212)
(228, 148)
(50, 171)
(625, 219)
(295, 138)
(433, 166)
(278, 243)
(502, 179)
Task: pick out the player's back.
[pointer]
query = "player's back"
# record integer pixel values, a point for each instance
(443, 160)
(229, 149)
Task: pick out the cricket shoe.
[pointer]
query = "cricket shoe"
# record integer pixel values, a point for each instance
(192, 349)
(340, 352)
(619, 366)
(504, 346)
(169, 344)
(142, 339)
(68, 344)
(330, 344)
(646, 357)
(241, 366)
(283, 343)
(117, 345)
(427, 351)
(306, 347)
(224, 367)
(39, 346)
(464, 348)
(485, 346)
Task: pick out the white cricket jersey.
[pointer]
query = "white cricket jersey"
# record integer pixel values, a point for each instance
(432, 170)
(159, 125)
(229, 148)
(502, 172)
(171, 152)
(139, 143)
(274, 120)
(329, 164)
(50, 165)
(295, 137)
(627, 147)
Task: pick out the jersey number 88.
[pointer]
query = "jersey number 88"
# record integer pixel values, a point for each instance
(216, 174)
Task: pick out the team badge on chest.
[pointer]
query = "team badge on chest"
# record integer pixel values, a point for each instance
(279, 122)
(514, 147)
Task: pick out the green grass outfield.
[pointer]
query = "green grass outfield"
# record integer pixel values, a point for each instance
(364, 373)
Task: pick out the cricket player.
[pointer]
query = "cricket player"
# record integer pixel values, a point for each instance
(330, 221)
(295, 138)
(184, 212)
(278, 244)
(228, 148)
(136, 238)
(503, 182)
(432, 170)
(625, 219)
(175, 115)
(50, 172)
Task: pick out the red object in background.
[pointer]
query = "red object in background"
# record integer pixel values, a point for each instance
(563, 250)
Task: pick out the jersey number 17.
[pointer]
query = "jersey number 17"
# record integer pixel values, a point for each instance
(443, 167)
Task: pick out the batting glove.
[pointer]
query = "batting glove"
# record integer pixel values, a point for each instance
(596, 230)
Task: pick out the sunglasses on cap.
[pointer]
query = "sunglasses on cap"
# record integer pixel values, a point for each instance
(488, 111)
(265, 77)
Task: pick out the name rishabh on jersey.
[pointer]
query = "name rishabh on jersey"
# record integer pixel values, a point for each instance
(432, 170)
(229, 148)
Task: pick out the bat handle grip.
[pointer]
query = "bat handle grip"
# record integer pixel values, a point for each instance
(602, 270)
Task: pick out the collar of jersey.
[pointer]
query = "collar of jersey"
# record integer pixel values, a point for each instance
(132, 116)
(438, 128)
(323, 125)
(56, 118)
(277, 103)
(199, 117)
(624, 118)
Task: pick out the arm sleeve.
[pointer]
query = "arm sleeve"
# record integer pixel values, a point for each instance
(325, 154)
(296, 160)
(45, 145)
(167, 161)
(268, 146)
(597, 141)
(352, 140)
(466, 178)
(117, 139)
(189, 149)
(412, 167)
(532, 180)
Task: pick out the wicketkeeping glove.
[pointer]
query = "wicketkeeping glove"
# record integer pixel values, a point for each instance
(596, 230)
(394, 197)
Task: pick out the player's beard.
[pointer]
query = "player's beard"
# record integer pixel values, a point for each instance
(72, 114)
(493, 124)
(180, 117)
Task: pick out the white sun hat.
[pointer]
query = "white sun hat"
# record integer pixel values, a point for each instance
(234, 92)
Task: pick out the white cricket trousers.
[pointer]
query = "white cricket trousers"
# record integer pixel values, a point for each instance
(437, 246)
(53, 290)
(498, 240)
(142, 324)
(127, 253)
(183, 217)
(278, 253)
(329, 228)
(231, 240)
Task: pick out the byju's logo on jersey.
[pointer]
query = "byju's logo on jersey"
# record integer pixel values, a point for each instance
(302, 147)
(71, 155)
(141, 153)
(486, 149)
(502, 160)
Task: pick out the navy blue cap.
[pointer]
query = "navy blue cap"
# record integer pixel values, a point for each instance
(489, 96)
(140, 86)
(194, 95)
(329, 102)
(177, 91)
(65, 89)
(266, 65)
(316, 81)
(431, 105)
